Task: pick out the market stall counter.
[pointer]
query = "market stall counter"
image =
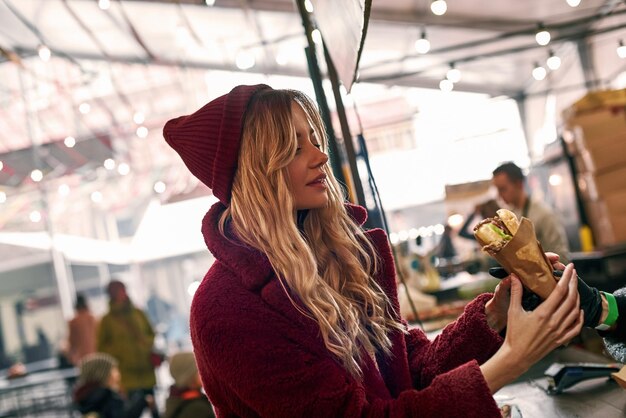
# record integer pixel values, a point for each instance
(529, 395)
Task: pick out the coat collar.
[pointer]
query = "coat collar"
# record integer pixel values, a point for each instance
(251, 265)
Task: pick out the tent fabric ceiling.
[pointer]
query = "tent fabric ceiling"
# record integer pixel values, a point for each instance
(164, 58)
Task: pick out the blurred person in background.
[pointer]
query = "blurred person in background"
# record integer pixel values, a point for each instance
(298, 315)
(82, 331)
(511, 184)
(97, 392)
(186, 399)
(482, 211)
(445, 247)
(126, 334)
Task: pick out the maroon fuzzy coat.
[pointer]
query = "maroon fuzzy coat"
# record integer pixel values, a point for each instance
(259, 357)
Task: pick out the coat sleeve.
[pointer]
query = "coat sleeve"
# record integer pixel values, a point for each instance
(267, 372)
(468, 338)
(146, 328)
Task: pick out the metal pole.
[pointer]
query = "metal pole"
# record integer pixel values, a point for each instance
(345, 130)
(316, 78)
(65, 282)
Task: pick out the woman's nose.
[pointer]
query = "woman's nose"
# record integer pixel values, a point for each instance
(321, 158)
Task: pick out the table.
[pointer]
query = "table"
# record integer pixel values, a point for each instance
(463, 285)
(46, 392)
(592, 398)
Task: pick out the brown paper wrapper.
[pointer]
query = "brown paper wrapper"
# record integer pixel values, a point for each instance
(620, 377)
(524, 256)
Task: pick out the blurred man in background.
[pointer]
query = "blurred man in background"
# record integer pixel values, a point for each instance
(81, 331)
(126, 334)
(510, 182)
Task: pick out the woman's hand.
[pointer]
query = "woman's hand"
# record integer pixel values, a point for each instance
(532, 335)
(497, 308)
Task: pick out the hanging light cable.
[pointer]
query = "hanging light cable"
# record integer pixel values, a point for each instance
(553, 62)
(453, 74)
(542, 36)
(621, 49)
(422, 45)
(539, 73)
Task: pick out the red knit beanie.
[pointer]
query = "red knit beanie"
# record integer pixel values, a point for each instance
(208, 140)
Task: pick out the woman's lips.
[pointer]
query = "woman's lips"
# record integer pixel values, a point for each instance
(318, 183)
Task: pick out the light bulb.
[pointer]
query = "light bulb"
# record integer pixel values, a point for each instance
(453, 74)
(308, 6)
(36, 175)
(104, 4)
(84, 108)
(123, 169)
(96, 197)
(139, 118)
(159, 187)
(142, 132)
(317, 36)
(539, 73)
(44, 52)
(439, 7)
(1, 165)
(422, 45)
(446, 85)
(209, 2)
(621, 49)
(542, 36)
(69, 141)
(109, 164)
(553, 62)
(35, 216)
(244, 60)
(573, 3)
(555, 180)
(282, 58)
(3, 197)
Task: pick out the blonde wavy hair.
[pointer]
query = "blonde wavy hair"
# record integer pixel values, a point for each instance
(327, 261)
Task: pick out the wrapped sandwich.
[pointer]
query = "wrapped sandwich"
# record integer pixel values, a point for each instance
(514, 245)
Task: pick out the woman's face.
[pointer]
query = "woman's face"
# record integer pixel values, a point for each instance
(307, 181)
(115, 379)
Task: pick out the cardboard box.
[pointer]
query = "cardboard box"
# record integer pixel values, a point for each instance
(607, 218)
(598, 128)
(599, 186)
(616, 204)
(595, 130)
(598, 139)
(595, 100)
(600, 223)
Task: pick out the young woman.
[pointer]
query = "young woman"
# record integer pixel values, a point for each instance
(298, 316)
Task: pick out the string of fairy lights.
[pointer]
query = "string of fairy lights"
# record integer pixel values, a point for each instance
(542, 37)
(245, 60)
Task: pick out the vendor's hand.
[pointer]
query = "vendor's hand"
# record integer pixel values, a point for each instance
(590, 297)
(497, 308)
